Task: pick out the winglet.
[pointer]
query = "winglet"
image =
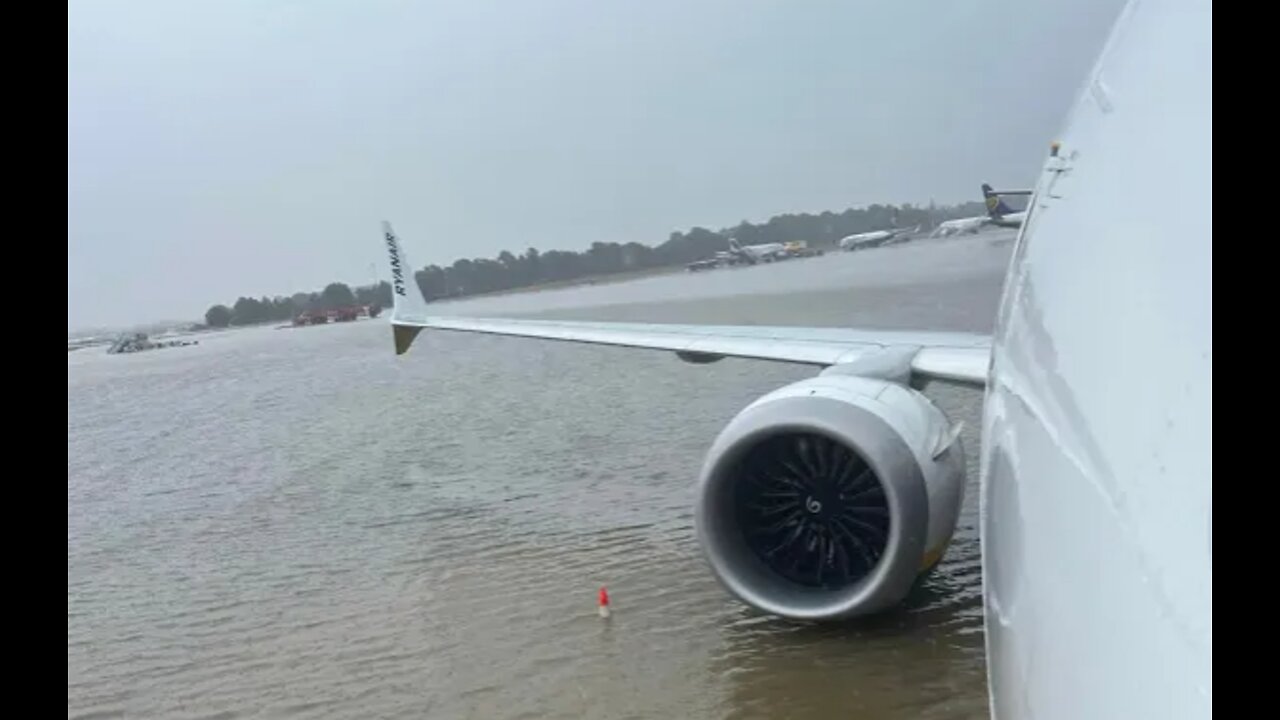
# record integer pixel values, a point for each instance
(409, 311)
(403, 336)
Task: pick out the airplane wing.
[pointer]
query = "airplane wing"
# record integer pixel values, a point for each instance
(957, 357)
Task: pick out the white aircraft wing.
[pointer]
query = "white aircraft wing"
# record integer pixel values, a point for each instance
(958, 357)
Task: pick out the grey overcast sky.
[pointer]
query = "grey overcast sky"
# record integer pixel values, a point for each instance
(250, 147)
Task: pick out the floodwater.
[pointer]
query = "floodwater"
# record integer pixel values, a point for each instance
(297, 523)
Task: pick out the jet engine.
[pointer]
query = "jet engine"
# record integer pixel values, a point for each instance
(828, 498)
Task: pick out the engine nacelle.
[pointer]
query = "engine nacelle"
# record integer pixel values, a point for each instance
(828, 498)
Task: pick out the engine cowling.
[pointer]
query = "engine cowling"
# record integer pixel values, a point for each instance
(828, 498)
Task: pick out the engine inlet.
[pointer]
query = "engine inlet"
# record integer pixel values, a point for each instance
(812, 510)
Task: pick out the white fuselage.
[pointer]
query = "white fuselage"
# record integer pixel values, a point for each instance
(960, 225)
(1097, 473)
(763, 251)
(1008, 220)
(876, 237)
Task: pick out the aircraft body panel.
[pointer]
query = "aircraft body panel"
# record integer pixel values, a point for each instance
(1097, 461)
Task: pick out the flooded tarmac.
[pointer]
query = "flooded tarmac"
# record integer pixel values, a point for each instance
(297, 523)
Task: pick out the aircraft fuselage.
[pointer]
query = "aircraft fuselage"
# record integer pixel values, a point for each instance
(1097, 475)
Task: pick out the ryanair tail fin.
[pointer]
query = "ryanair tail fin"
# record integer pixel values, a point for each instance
(995, 206)
(409, 309)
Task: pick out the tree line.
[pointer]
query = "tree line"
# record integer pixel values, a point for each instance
(250, 311)
(509, 271)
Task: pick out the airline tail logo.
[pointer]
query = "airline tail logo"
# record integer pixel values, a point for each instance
(397, 272)
(995, 206)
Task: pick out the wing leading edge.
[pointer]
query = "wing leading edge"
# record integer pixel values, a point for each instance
(957, 357)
